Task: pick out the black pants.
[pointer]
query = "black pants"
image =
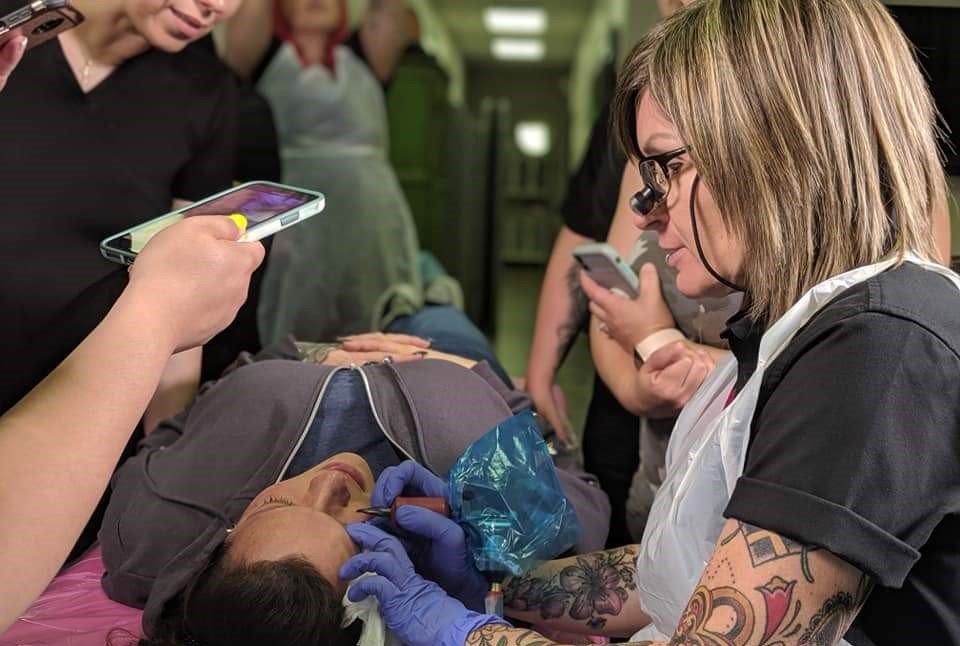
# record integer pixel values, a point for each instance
(611, 451)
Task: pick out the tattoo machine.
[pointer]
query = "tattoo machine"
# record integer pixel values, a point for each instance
(433, 503)
(505, 494)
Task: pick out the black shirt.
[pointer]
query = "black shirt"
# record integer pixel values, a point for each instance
(592, 191)
(855, 447)
(77, 168)
(258, 147)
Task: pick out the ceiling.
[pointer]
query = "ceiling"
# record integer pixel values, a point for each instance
(464, 20)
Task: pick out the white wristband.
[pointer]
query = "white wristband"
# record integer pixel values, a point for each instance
(656, 341)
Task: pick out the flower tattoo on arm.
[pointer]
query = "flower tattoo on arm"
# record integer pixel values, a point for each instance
(593, 588)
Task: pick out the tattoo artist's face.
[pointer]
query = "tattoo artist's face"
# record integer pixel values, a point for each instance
(171, 25)
(671, 218)
(322, 16)
(304, 516)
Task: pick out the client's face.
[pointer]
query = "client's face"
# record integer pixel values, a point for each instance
(171, 25)
(304, 516)
(319, 16)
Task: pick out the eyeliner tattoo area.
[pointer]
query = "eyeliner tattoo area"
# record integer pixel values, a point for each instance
(594, 588)
(766, 546)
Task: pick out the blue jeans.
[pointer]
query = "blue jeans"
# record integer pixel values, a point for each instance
(450, 331)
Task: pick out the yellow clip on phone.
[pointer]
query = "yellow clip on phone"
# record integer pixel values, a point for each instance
(240, 220)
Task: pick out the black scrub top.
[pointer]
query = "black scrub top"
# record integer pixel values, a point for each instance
(76, 168)
(855, 447)
(592, 192)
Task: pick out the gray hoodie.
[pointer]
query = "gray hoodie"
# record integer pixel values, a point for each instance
(194, 476)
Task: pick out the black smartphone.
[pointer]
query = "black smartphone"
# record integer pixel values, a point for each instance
(40, 21)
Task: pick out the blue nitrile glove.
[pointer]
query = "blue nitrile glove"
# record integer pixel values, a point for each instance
(438, 548)
(418, 611)
(408, 478)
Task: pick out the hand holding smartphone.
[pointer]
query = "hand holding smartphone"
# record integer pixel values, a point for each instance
(607, 269)
(267, 207)
(39, 21)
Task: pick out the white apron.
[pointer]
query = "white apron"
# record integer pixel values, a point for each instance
(705, 458)
(344, 271)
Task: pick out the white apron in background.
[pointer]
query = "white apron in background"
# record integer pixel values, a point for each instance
(345, 270)
(706, 456)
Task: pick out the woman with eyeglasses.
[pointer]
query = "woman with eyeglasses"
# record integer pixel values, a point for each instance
(652, 351)
(812, 496)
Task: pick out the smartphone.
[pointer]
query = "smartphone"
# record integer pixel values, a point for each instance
(268, 207)
(40, 21)
(605, 267)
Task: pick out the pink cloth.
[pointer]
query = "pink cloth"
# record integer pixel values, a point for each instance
(74, 611)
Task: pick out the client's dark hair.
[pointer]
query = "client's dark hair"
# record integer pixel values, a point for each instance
(231, 603)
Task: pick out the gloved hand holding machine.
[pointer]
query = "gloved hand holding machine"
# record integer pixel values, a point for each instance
(507, 514)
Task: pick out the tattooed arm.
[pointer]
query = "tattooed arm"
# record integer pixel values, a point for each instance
(561, 313)
(588, 594)
(763, 589)
(759, 589)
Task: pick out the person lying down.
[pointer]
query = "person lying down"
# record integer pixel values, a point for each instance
(227, 525)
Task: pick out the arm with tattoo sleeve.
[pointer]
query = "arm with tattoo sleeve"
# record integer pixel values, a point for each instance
(759, 589)
(561, 313)
(763, 589)
(589, 594)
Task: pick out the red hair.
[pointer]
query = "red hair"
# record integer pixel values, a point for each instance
(281, 27)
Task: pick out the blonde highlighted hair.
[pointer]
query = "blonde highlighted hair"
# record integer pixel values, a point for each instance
(812, 125)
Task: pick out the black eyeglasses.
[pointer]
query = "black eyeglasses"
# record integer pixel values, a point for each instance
(656, 180)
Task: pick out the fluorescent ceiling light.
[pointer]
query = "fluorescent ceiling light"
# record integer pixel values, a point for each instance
(506, 20)
(533, 138)
(517, 49)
